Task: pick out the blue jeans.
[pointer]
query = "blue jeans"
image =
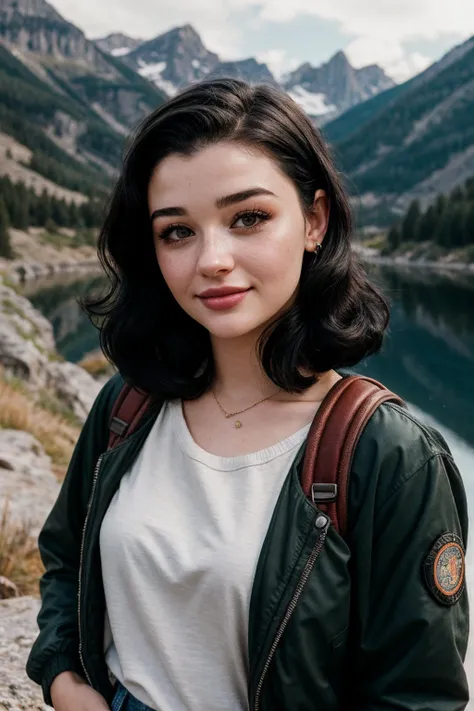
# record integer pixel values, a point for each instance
(124, 701)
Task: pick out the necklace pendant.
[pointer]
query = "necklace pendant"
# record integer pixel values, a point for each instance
(238, 424)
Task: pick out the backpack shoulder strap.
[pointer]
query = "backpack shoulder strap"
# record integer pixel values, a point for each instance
(332, 440)
(127, 412)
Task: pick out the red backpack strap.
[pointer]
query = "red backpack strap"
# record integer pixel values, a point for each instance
(332, 440)
(127, 412)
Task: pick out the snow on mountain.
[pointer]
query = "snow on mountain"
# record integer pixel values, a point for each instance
(313, 104)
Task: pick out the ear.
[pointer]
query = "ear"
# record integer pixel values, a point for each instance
(317, 221)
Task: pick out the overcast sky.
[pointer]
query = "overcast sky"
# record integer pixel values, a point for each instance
(403, 36)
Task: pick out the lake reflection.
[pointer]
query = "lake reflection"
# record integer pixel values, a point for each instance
(427, 358)
(428, 355)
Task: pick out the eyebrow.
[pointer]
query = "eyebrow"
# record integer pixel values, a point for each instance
(220, 202)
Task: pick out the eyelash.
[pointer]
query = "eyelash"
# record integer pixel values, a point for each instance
(261, 214)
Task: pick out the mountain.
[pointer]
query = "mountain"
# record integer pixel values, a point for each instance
(68, 102)
(64, 100)
(336, 86)
(178, 57)
(173, 60)
(60, 54)
(418, 144)
(117, 44)
(247, 69)
(353, 119)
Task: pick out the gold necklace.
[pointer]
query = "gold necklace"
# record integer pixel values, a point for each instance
(238, 423)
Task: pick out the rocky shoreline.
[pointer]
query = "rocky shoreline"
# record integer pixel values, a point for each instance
(36, 257)
(371, 255)
(43, 402)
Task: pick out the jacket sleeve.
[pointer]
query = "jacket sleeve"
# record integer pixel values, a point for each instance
(412, 630)
(56, 647)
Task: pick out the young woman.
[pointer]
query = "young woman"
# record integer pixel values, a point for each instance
(172, 560)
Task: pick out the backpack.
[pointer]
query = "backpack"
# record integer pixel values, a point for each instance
(330, 445)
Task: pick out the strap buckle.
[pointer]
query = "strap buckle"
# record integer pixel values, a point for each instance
(118, 426)
(323, 493)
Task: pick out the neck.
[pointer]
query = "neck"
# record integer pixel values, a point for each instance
(239, 374)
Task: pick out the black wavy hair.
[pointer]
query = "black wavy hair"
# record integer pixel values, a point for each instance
(338, 317)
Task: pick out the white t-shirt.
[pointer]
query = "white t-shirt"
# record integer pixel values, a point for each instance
(179, 548)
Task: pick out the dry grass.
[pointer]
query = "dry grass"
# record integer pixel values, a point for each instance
(96, 364)
(57, 436)
(20, 560)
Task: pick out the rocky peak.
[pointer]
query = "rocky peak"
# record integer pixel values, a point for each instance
(28, 8)
(174, 59)
(118, 44)
(35, 26)
(337, 83)
(373, 79)
(246, 69)
(339, 61)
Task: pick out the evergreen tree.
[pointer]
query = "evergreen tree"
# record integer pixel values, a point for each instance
(60, 212)
(469, 188)
(440, 205)
(394, 238)
(43, 209)
(19, 210)
(427, 225)
(468, 226)
(410, 223)
(443, 234)
(457, 194)
(5, 243)
(457, 222)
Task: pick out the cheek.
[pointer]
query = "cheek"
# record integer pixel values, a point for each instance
(173, 270)
(277, 260)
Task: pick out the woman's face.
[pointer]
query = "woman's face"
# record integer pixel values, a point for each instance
(230, 235)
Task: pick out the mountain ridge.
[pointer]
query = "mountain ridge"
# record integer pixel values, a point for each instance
(177, 57)
(71, 102)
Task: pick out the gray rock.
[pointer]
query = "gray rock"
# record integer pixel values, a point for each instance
(28, 351)
(74, 386)
(7, 588)
(26, 338)
(26, 479)
(18, 630)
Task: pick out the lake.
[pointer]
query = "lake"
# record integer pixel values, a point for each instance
(428, 356)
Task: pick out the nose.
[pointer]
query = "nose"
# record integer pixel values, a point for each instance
(215, 255)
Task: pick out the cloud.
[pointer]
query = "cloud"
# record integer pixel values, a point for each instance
(398, 19)
(380, 29)
(144, 18)
(278, 61)
(391, 55)
(376, 29)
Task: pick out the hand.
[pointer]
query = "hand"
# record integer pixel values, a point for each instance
(69, 692)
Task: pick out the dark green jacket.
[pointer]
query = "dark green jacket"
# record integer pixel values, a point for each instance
(353, 624)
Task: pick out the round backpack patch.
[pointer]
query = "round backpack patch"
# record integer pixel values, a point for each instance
(444, 569)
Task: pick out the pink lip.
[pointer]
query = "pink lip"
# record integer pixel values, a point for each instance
(222, 298)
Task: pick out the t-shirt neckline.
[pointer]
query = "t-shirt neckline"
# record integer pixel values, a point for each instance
(240, 461)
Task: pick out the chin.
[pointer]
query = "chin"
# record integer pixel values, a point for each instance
(229, 327)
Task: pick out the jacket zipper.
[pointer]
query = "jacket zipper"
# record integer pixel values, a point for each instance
(291, 608)
(89, 506)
